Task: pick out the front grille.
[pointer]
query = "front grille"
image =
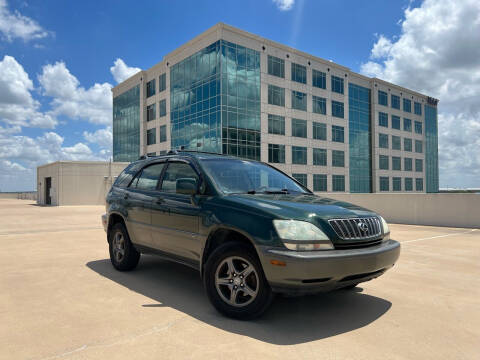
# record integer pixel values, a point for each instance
(356, 228)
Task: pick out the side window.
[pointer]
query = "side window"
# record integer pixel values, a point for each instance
(176, 171)
(148, 178)
(126, 175)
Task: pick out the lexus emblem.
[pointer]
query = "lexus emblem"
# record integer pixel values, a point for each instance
(363, 226)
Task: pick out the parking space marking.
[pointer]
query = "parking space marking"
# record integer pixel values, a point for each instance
(439, 236)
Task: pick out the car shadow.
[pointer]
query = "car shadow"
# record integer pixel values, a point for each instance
(289, 320)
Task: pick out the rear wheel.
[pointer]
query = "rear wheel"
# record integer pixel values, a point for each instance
(235, 283)
(123, 255)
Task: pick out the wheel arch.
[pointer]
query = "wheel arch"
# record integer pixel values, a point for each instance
(114, 218)
(221, 235)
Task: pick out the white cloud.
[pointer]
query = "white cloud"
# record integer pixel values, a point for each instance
(438, 53)
(17, 106)
(15, 25)
(284, 5)
(74, 101)
(102, 137)
(120, 71)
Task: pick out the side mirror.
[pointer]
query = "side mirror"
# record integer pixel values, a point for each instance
(186, 186)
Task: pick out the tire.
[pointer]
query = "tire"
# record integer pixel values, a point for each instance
(123, 255)
(253, 294)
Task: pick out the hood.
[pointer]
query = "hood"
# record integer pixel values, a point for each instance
(301, 207)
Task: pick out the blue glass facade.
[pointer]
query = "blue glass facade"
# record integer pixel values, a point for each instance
(126, 125)
(215, 101)
(431, 149)
(359, 138)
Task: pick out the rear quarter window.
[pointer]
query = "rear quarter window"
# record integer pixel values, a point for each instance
(127, 175)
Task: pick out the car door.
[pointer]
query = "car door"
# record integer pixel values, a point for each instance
(139, 197)
(175, 217)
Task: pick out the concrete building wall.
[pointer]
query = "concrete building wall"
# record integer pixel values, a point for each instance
(77, 183)
(453, 210)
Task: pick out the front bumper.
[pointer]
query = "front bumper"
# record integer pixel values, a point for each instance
(317, 271)
(105, 222)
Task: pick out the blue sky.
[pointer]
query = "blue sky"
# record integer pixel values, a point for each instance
(61, 54)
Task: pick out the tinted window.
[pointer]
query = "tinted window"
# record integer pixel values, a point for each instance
(126, 175)
(174, 172)
(148, 179)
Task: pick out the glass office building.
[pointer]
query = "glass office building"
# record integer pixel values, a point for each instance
(126, 125)
(231, 92)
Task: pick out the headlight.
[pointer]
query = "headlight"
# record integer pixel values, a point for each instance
(302, 235)
(386, 230)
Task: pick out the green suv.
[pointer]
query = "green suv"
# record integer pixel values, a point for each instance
(248, 228)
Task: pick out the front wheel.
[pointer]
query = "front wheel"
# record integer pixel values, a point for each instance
(235, 282)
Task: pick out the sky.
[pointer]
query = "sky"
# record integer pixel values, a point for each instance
(60, 59)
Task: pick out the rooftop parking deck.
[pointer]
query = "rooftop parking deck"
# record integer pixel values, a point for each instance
(61, 299)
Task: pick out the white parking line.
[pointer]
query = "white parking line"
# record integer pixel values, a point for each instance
(438, 236)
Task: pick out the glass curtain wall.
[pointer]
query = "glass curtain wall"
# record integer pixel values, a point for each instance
(431, 149)
(126, 125)
(359, 99)
(215, 100)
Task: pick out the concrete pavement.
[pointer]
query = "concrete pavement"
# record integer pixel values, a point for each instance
(61, 299)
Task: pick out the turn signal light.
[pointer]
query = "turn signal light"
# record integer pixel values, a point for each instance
(278, 263)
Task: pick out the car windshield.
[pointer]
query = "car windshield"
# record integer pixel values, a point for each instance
(243, 176)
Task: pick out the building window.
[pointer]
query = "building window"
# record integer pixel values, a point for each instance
(418, 146)
(418, 165)
(338, 158)
(151, 88)
(397, 184)
(383, 141)
(319, 105)
(151, 154)
(299, 128)
(419, 184)
(418, 127)
(276, 124)
(301, 178)
(417, 107)
(407, 164)
(319, 157)
(337, 109)
(407, 125)
(383, 119)
(395, 122)
(407, 144)
(151, 137)
(276, 95)
(407, 105)
(276, 153)
(384, 183)
(337, 84)
(395, 102)
(396, 142)
(338, 182)
(163, 133)
(408, 184)
(299, 73)
(162, 82)
(299, 155)
(163, 152)
(382, 98)
(319, 131)
(396, 163)
(162, 108)
(319, 182)
(319, 79)
(338, 133)
(276, 66)
(299, 100)
(383, 162)
(151, 112)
